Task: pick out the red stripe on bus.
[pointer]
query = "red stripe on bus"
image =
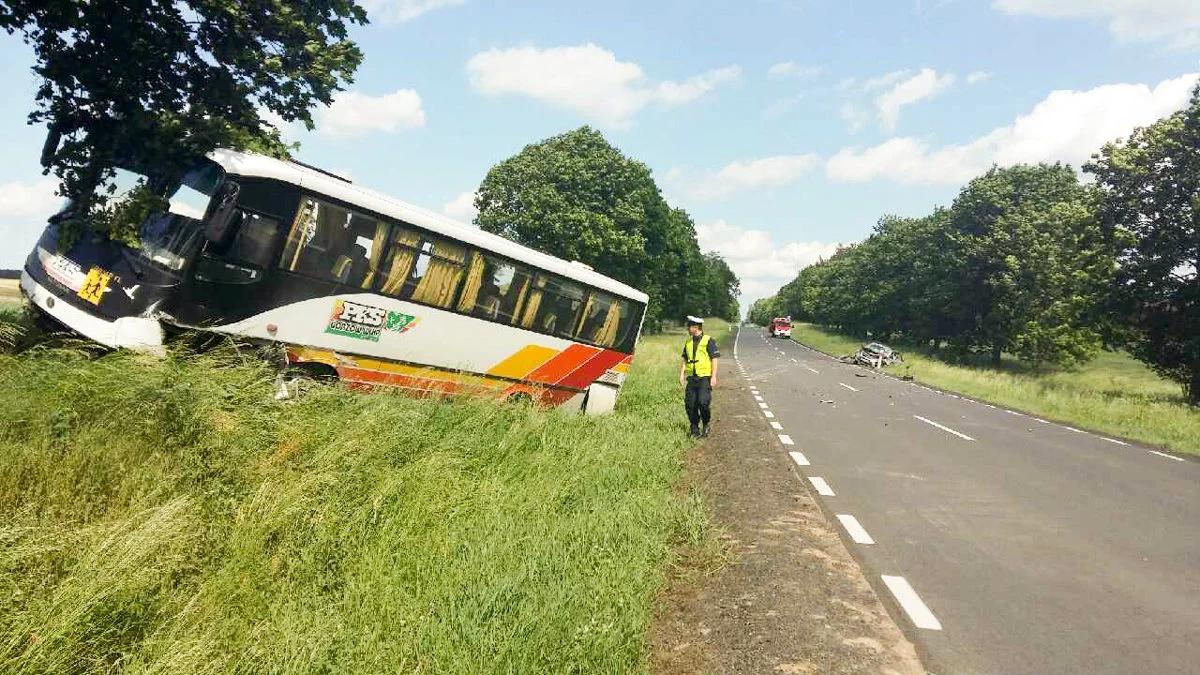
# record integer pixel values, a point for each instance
(587, 373)
(560, 366)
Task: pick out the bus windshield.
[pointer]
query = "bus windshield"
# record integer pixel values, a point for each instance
(169, 239)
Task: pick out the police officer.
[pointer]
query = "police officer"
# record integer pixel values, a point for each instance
(698, 375)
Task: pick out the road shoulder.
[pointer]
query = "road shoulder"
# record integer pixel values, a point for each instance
(791, 599)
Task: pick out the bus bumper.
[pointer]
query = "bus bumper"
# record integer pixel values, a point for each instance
(130, 332)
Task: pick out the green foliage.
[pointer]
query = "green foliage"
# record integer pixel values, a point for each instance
(577, 197)
(1150, 186)
(168, 516)
(151, 86)
(1019, 264)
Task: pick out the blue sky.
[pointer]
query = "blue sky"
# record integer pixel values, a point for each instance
(783, 127)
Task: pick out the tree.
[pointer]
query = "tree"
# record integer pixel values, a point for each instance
(1150, 186)
(577, 197)
(1029, 262)
(152, 85)
(721, 288)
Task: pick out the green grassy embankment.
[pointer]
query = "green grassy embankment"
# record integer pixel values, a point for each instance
(1112, 394)
(168, 516)
(10, 294)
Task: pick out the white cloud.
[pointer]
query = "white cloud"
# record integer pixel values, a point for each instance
(354, 114)
(855, 117)
(793, 69)
(399, 11)
(587, 79)
(978, 76)
(1175, 23)
(764, 172)
(762, 265)
(24, 208)
(462, 207)
(880, 82)
(1066, 126)
(919, 87)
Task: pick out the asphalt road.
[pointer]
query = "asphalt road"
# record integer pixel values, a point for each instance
(1001, 543)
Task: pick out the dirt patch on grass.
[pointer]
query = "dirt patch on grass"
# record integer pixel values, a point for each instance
(790, 599)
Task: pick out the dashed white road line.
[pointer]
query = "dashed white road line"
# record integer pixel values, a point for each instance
(912, 604)
(1078, 431)
(821, 486)
(858, 534)
(769, 414)
(776, 426)
(758, 397)
(1113, 440)
(813, 370)
(785, 439)
(762, 405)
(799, 458)
(847, 386)
(943, 428)
(1163, 454)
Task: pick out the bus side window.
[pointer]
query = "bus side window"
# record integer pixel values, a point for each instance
(245, 258)
(559, 303)
(332, 243)
(493, 289)
(601, 319)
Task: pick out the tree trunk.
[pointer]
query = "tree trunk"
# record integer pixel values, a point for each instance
(996, 355)
(1193, 391)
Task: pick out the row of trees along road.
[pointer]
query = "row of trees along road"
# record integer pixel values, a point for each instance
(1030, 261)
(151, 86)
(577, 197)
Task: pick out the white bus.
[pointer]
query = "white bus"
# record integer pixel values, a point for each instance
(353, 283)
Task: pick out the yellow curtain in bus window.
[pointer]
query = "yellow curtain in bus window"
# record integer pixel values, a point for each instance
(607, 335)
(441, 279)
(94, 285)
(403, 255)
(470, 294)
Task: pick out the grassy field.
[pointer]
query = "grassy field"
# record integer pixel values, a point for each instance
(10, 294)
(1113, 394)
(168, 516)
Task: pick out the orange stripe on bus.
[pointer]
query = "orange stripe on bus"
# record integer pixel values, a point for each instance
(523, 362)
(560, 366)
(587, 373)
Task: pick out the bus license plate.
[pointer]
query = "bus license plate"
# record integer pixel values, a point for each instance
(94, 285)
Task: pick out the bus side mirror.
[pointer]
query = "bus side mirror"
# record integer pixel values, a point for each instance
(223, 216)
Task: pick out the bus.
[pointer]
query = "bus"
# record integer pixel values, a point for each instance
(352, 283)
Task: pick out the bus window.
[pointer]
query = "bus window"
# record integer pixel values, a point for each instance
(601, 320)
(245, 258)
(553, 307)
(332, 243)
(422, 269)
(493, 289)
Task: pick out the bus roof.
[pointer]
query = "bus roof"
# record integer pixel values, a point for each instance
(246, 164)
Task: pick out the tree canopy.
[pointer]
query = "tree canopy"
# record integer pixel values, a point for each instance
(1150, 204)
(577, 197)
(151, 85)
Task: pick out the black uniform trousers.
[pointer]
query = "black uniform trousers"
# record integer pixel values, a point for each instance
(697, 399)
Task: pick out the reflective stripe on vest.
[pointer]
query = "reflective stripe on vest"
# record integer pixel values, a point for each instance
(698, 361)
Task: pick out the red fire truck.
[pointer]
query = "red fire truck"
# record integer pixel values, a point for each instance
(781, 327)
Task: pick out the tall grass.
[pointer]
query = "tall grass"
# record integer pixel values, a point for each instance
(1113, 394)
(168, 516)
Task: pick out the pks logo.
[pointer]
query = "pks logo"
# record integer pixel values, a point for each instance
(364, 322)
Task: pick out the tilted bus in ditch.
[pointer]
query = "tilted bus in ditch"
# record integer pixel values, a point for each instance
(353, 283)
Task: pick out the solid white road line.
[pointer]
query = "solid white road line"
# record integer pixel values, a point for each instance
(785, 439)
(769, 414)
(821, 486)
(1113, 440)
(1163, 454)
(913, 606)
(799, 458)
(814, 370)
(779, 427)
(856, 531)
(847, 386)
(943, 428)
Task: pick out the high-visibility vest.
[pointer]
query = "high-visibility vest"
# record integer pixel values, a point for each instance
(698, 361)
